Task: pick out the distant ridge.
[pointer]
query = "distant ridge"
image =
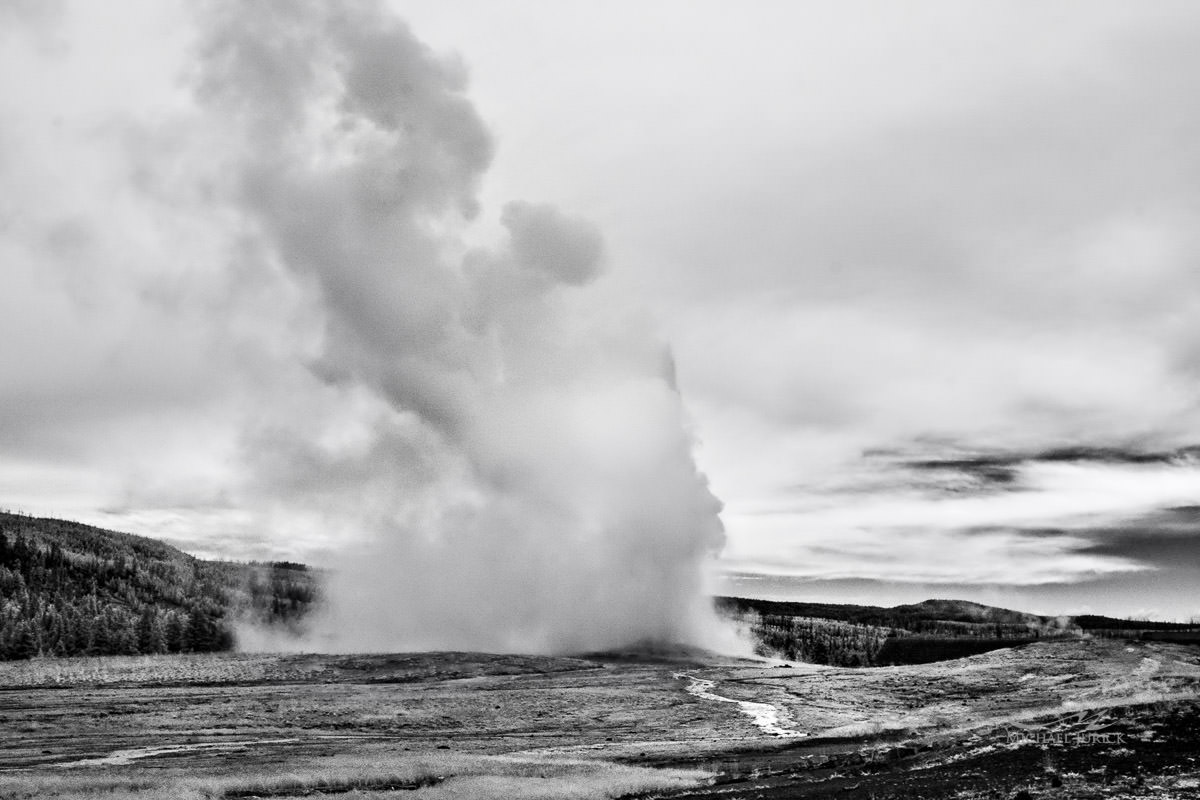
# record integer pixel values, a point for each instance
(932, 630)
(67, 588)
(867, 636)
(82, 538)
(899, 616)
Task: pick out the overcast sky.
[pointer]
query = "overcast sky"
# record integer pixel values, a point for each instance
(929, 272)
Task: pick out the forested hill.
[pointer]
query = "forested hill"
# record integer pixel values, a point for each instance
(866, 636)
(73, 589)
(927, 616)
(933, 630)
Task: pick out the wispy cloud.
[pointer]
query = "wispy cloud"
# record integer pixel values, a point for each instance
(1060, 516)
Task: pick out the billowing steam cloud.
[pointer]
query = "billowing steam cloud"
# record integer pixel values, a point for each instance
(509, 437)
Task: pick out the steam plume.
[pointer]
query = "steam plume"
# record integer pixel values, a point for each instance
(509, 436)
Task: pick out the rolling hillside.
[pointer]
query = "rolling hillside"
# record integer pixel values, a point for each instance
(73, 589)
(918, 633)
(867, 636)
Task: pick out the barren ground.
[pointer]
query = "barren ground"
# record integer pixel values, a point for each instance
(1068, 719)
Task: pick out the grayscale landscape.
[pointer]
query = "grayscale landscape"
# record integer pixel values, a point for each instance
(1071, 719)
(1087, 707)
(562, 399)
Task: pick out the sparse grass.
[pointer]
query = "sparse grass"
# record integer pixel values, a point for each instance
(343, 731)
(425, 777)
(336, 776)
(24, 786)
(231, 668)
(189, 668)
(468, 776)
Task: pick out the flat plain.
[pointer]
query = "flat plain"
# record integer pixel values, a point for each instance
(1067, 719)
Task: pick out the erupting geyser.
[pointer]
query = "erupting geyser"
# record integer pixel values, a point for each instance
(510, 437)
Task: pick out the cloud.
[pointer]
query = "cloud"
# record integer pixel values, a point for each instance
(258, 319)
(40, 17)
(1059, 517)
(517, 462)
(1007, 265)
(542, 239)
(946, 232)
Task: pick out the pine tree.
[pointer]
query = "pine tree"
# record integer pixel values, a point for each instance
(99, 643)
(198, 637)
(150, 633)
(173, 632)
(23, 645)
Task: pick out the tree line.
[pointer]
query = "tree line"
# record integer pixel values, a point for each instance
(869, 636)
(67, 589)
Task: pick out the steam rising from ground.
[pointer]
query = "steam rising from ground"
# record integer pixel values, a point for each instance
(510, 437)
